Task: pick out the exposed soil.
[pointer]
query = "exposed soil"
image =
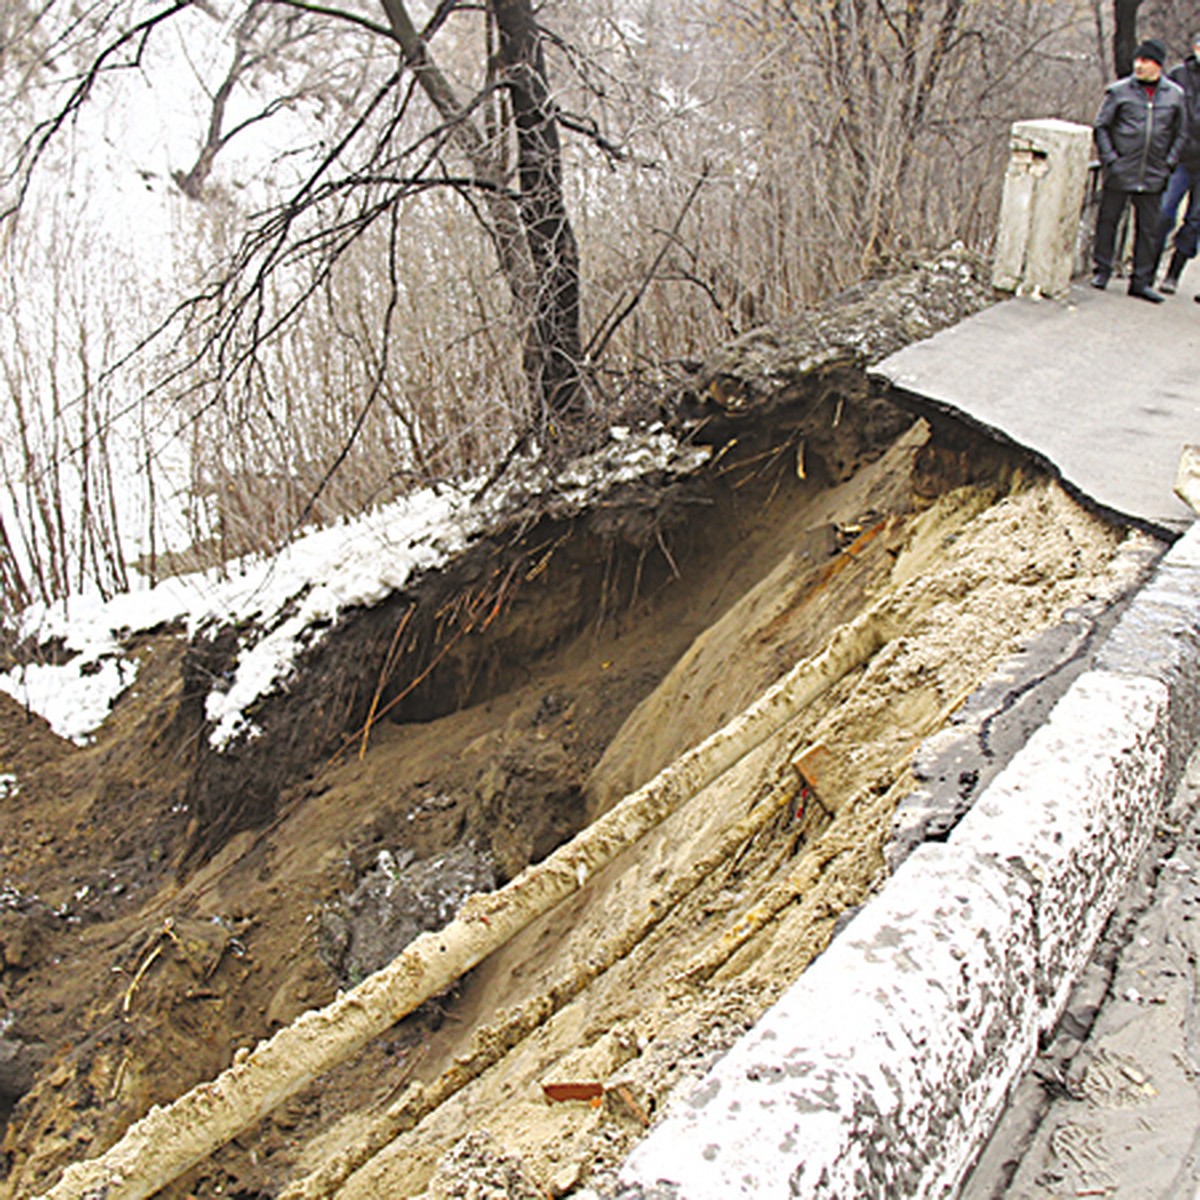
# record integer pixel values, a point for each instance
(165, 908)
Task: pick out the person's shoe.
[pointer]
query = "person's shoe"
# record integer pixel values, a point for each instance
(1196, 297)
(1170, 282)
(1145, 293)
(1100, 281)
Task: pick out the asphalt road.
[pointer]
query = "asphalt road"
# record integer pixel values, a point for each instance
(1102, 387)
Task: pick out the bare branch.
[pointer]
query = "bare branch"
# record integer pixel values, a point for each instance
(34, 146)
(338, 14)
(612, 322)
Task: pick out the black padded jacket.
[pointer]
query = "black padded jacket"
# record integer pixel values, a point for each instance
(1139, 138)
(1187, 75)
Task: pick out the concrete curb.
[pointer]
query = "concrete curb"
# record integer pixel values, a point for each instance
(883, 1069)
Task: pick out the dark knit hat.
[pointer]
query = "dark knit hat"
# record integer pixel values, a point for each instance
(1152, 48)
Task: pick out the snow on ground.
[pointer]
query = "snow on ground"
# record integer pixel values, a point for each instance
(288, 602)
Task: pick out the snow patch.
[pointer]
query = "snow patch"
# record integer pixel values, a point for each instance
(74, 697)
(287, 603)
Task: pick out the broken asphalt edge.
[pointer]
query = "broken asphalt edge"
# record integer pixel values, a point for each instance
(934, 410)
(883, 1069)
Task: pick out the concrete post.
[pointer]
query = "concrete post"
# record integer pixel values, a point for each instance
(1044, 189)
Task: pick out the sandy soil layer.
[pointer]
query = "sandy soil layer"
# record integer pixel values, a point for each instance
(809, 814)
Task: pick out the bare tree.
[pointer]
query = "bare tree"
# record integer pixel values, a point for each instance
(261, 34)
(409, 299)
(60, 462)
(387, 156)
(22, 50)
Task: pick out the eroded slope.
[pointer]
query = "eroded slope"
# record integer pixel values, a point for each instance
(690, 934)
(163, 917)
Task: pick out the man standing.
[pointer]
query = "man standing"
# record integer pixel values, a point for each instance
(1185, 179)
(1139, 133)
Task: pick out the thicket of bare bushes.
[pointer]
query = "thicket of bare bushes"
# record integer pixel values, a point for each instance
(74, 448)
(724, 164)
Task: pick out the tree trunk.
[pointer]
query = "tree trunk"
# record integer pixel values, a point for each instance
(553, 350)
(505, 231)
(1125, 37)
(533, 235)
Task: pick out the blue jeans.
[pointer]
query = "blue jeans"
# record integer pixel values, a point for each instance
(1182, 183)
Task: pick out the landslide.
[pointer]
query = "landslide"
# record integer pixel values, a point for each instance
(158, 918)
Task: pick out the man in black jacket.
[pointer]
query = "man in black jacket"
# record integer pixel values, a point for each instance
(1185, 179)
(1139, 133)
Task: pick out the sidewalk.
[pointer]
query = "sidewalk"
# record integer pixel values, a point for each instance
(1103, 389)
(1112, 1106)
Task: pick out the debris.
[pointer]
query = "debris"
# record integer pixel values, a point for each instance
(813, 766)
(168, 931)
(1187, 478)
(622, 1092)
(558, 1093)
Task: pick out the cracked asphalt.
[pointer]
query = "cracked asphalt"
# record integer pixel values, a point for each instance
(1069, 380)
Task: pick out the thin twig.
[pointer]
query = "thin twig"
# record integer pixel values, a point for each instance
(611, 322)
(127, 1003)
(384, 674)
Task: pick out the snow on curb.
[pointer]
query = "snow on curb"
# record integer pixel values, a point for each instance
(882, 1070)
(880, 1048)
(1073, 812)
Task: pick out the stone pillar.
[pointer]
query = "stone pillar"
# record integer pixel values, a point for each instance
(1044, 189)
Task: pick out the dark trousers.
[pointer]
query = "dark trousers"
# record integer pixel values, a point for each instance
(1146, 209)
(1182, 183)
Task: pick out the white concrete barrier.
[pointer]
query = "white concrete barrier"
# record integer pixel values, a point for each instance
(884, 1048)
(1072, 813)
(1039, 216)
